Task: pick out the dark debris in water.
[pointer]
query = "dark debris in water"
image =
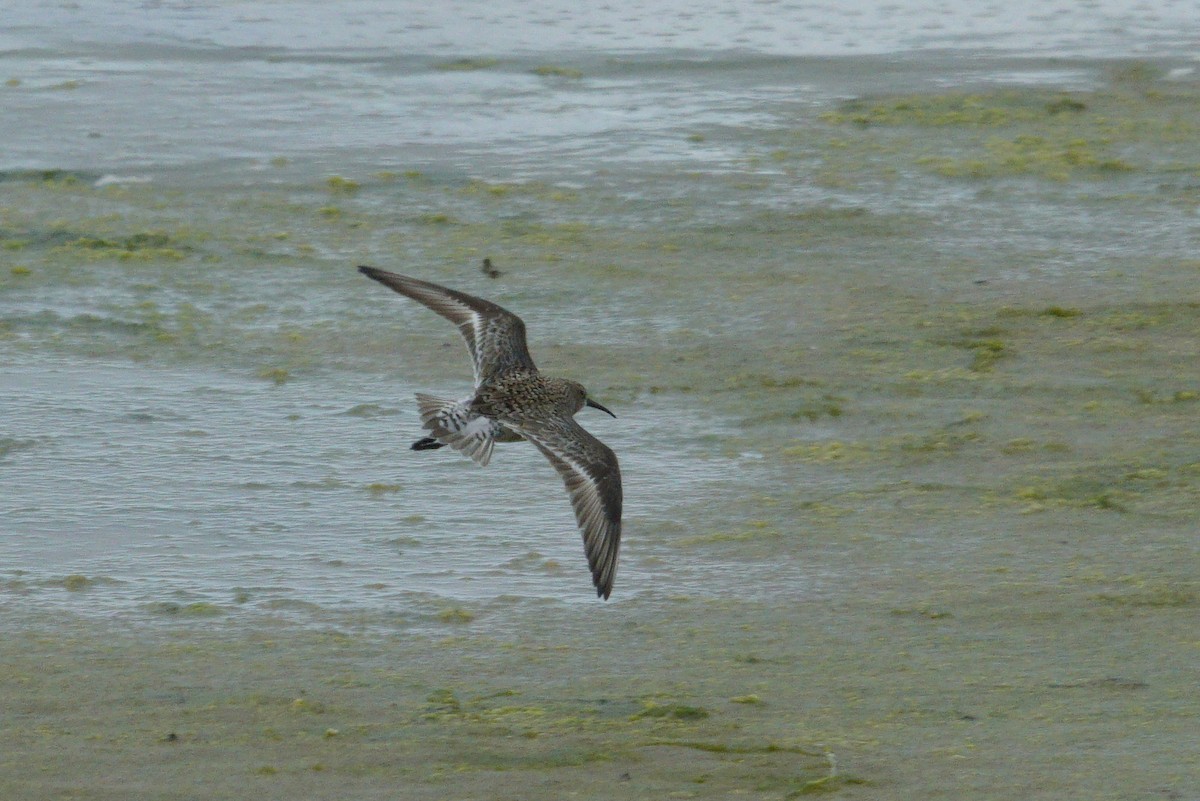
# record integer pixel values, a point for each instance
(10, 445)
(490, 271)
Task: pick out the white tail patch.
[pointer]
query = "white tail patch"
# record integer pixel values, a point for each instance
(453, 423)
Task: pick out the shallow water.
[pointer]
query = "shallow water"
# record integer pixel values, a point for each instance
(897, 315)
(150, 485)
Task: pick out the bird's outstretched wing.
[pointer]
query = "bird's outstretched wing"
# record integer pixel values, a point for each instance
(495, 337)
(589, 469)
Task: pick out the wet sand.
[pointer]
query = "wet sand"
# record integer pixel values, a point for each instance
(1057, 661)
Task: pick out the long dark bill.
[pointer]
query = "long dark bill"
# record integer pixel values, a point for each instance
(594, 405)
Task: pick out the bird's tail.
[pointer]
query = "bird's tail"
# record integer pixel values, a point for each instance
(454, 423)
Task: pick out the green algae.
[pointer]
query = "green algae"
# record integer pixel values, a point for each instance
(443, 701)
(492, 189)
(985, 353)
(456, 614)
(937, 442)
(1118, 487)
(554, 71)
(76, 582)
(1154, 396)
(196, 609)
(370, 410)
(140, 246)
(754, 530)
(752, 698)
(943, 442)
(672, 711)
(826, 451)
(1025, 132)
(825, 784)
(1138, 74)
(337, 185)
(276, 375)
(986, 109)
(524, 191)
(1038, 156)
(1028, 445)
(1060, 312)
(467, 64)
(437, 218)
(1155, 597)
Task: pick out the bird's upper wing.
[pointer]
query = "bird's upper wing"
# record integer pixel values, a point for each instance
(589, 469)
(495, 337)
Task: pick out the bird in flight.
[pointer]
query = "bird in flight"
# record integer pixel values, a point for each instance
(511, 402)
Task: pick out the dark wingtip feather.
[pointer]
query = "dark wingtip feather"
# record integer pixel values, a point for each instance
(603, 586)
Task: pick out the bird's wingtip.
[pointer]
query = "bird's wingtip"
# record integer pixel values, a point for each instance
(365, 270)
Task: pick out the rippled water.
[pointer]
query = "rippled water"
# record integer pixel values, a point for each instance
(168, 488)
(496, 87)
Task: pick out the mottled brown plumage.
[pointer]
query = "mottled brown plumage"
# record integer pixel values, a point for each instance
(513, 401)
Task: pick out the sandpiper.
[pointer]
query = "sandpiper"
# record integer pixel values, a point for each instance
(512, 401)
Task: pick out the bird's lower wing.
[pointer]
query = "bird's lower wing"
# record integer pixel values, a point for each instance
(592, 476)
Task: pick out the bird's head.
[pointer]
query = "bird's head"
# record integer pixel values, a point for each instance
(582, 399)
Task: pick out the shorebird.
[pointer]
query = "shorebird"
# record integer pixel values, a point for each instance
(512, 401)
